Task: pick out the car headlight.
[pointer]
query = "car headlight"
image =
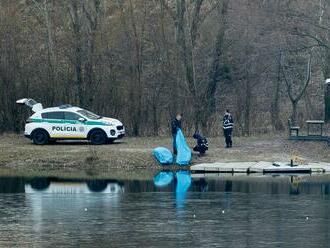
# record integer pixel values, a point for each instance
(108, 124)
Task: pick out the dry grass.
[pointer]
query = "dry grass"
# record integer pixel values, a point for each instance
(269, 148)
(17, 152)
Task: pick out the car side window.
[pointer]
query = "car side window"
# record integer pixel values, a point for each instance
(71, 116)
(53, 115)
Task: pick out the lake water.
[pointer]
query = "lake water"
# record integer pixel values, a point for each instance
(169, 210)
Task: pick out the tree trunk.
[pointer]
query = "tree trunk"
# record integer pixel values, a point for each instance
(186, 47)
(137, 66)
(155, 118)
(217, 69)
(76, 27)
(51, 54)
(247, 108)
(327, 102)
(294, 112)
(275, 106)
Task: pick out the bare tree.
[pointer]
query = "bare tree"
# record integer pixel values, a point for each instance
(219, 71)
(142, 61)
(296, 87)
(75, 9)
(275, 105)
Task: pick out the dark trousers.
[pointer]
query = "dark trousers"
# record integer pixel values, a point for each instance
(199, 149)
(175, 151)
(228, 137)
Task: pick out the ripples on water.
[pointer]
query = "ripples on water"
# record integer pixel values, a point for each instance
(172, 209)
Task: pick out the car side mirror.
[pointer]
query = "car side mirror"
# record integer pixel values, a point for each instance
(81, 119)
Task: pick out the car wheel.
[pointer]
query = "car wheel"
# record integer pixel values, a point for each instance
(40, 137)
(40, 183)
(110, 141)
(97, 185)
(98, 137)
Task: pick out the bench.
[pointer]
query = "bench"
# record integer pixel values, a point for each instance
(319, 123)
(293, 128)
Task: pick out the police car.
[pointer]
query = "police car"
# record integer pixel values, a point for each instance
(67, 122)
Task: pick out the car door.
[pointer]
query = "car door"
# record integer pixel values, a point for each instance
(53, 123)
(74, 126)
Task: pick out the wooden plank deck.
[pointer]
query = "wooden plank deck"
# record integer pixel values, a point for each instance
(259, 167)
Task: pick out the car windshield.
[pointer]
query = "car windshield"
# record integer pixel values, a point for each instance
(88, 114)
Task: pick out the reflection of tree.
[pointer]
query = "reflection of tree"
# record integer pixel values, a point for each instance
(325, 189)
(228, 186)
(269, 185)
(40, 183)
(12, 185)
(201, 185)
(294, 186)
(137, 186)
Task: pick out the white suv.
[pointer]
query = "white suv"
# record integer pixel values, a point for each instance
(67, 123)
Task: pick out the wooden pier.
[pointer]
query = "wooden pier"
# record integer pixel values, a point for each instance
(260, 167)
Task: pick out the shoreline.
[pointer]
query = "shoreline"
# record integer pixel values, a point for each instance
(131, 154)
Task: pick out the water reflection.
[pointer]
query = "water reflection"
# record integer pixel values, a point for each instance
(176, 209)
(59, 186)
(178, 182)
(12, 185)
(200, 185)
(163, 179)
(182, 183)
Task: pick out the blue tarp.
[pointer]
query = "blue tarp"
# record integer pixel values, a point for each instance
(184, 153)
(163, 178)
(163, 155)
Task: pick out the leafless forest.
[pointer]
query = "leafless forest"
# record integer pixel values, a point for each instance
(141, 61)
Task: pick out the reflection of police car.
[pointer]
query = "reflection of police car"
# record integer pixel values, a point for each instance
(60, 186)
(67, 123)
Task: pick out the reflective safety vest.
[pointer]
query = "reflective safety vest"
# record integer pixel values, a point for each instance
(228, 122)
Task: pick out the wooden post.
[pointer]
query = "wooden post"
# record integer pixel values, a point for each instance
(327, 100)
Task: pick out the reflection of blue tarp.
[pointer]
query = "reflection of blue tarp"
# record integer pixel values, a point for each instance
(163, 155)
(184, 152)
(163, 179)
(183, 179)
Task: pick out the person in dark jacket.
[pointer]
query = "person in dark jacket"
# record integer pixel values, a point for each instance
(202, 144)
(228, 125)
(175, 126)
